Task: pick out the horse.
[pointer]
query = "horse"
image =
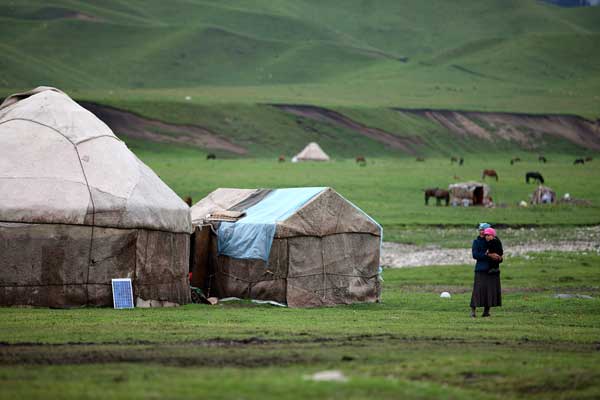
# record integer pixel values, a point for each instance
(542, 159)
(588, 158)
(534, 175)
(453, 160)
(361, 160)
(188, 200)
(579, 161)
(211, 156)
(461, 161)
(514, 160)
(281, 158)
(439, 194)
(489, 172)
(420, 159)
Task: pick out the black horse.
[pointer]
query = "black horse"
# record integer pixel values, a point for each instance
(542, 159)
(579, 161)
(534, 175)
(211, 156)
(439, 194)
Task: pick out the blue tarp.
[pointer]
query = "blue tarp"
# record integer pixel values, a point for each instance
(252, 236)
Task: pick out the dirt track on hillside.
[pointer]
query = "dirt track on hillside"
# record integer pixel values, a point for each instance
(135, 126)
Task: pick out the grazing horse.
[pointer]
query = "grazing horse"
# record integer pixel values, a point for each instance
(453, 160)
(579, 161)
(361, 159)
(439, 194)
(420, 158)
(188, 200)
(588, 158)
(534, 175)
(514, 160)
(489, 172)
(542, 159)
(281, 158)
(461, 161)
(211, 156)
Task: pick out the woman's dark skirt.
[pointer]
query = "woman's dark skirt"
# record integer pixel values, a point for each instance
(486, 290)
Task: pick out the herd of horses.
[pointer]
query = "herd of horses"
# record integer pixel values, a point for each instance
(534, 176)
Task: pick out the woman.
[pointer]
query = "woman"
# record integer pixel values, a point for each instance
(486, 287)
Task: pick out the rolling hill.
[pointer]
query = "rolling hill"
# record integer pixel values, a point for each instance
(222, 65)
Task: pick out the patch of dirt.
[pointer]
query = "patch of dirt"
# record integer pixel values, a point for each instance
(396, 255)
(135, 126)
(526, 129)
(406, 144)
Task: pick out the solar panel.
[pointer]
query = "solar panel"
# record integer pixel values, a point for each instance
(122, 293)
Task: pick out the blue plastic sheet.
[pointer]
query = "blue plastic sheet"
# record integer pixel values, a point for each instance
(252, 236)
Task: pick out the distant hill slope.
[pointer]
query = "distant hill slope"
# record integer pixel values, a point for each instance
(175, 60)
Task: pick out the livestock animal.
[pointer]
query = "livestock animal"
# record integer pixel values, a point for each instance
(439, 194)
(420, 159)
(535, 176)
(453, 160)
(542, 159)
(188, 200)
(281, 158)
(514, 160)
(489, 172)
(461, 161)
(211, 156)
(588, 158)
(579, 161)
(361, 159)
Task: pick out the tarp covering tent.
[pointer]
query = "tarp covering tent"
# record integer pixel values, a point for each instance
(303, 247)
(543, 195)
(469, 194)
(78, 208)
(312, 152)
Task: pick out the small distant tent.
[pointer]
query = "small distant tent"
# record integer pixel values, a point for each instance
(302, 246)
(469, 194)
(543, 195)
(312, 152)
(78, 208)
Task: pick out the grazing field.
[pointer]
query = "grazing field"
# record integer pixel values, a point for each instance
(390, 189)
(413, 344)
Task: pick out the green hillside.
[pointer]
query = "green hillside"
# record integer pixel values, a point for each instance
(215, 58)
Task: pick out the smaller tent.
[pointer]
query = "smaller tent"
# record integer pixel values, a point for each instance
(312, 152)
(469, 194)
(543, 195)
(300, 246)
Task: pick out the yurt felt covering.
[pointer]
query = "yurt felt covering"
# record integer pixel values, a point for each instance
(325, 252)
(78, 208)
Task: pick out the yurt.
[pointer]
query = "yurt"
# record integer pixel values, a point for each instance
(312, 152)
(78, 208)
(469, 194)
(303, 247)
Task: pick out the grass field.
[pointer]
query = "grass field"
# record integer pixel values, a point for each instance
(390, 189)
(411, 345)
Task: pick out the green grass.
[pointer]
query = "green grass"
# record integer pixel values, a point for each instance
(390, 189)
(412, 345)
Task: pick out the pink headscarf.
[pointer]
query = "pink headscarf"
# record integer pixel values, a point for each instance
(489, 231)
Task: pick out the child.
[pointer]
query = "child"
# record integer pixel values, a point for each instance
(494, 246)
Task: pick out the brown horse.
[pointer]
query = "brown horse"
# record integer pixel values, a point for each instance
(489, 172)
(541, 158)
(439, 194)
(281, 158)
(514, 160)
(453, 160)
(421, 159)
(361, 159)
(188, 200)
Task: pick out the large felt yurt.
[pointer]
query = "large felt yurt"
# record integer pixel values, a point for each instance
(77, 209)
(302, 247)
